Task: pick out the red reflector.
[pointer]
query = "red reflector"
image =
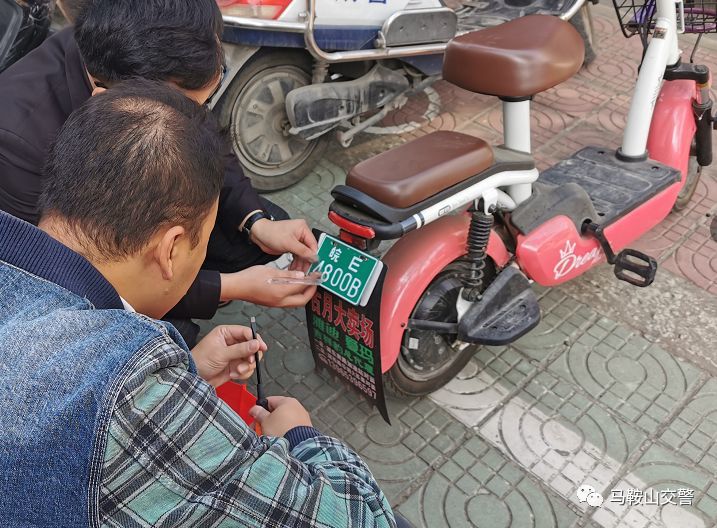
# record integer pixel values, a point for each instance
(353, 240)
(266, 9)
(356, 229)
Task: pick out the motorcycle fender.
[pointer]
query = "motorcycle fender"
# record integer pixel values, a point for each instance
(673, 125)
(235, 56)
(413, 262)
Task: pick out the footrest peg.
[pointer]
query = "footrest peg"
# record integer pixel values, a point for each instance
(507, 310)
(635, 267)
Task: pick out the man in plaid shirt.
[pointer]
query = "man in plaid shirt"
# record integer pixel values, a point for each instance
(107, 419)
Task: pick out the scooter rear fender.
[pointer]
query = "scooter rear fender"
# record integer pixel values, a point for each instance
(413, 262)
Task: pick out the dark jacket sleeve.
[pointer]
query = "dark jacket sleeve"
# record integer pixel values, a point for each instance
(20, 177)
(201, 300)
(237, 199)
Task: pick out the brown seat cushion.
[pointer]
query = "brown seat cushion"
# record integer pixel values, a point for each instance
(519, 58)
(417, 170)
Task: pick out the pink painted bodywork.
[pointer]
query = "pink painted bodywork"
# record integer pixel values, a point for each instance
(673, 125)
(638, 222)
(412, 264)
(555, 252)
(552, 254)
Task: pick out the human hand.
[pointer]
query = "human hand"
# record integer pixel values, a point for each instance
(227, 352)
(251, 285)
(286, 236)
(283, 415)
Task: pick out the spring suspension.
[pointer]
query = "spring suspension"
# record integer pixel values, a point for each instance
(478, 235)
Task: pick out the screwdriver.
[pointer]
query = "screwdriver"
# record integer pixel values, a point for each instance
(261, 401)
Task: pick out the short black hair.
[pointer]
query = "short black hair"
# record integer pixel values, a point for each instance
(129, 161)
(161, 40)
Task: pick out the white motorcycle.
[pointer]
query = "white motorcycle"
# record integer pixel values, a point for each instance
(300, 69)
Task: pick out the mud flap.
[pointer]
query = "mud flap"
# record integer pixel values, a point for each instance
(508, 310)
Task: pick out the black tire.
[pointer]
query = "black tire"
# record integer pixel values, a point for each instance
(694, 171)
(407, 377)
(271, 157)
(584, 27)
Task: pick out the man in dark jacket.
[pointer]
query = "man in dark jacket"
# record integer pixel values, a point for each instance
(178, 43)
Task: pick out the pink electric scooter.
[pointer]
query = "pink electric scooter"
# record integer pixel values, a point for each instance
(477, 223)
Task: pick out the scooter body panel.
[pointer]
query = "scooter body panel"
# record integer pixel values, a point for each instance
(413, 262)
(673, 125)
(556, 252)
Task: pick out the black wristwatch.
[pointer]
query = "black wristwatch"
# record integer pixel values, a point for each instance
(253, 219)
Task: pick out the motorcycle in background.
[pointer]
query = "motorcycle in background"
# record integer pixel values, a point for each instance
(301, 69)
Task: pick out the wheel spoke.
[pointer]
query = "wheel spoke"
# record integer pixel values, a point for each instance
(284, 151)
(277, 92)
(250, 133)
(260, 108)
(265, 154)
(259, 123)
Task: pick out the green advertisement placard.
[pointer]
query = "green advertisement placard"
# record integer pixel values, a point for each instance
(346, 340)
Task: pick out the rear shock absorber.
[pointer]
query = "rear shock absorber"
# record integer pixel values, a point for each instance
(478, 235)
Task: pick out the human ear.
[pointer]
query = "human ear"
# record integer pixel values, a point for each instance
(166, 250)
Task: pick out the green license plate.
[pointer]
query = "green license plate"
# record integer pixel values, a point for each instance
(347, 272)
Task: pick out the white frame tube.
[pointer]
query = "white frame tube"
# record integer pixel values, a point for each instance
(516, 136)
(474, 192)
(661, 52)
(516, 125)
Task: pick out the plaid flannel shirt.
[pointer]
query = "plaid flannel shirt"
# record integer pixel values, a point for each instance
(177, 456)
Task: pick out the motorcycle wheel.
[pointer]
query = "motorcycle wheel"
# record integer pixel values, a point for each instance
(694, 171)
(437, 359)
(253, 108)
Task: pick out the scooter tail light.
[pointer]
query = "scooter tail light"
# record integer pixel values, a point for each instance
(265, 9)
(353, 240)
(351, 227)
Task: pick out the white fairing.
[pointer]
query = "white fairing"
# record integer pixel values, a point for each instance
(661, 52)
(359, 13)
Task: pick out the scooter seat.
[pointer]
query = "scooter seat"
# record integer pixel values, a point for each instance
(517, 59)
(421, 168)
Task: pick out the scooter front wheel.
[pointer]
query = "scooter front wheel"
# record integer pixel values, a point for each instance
(694, 171)
(428, 360)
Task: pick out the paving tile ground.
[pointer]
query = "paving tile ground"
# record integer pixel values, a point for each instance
(616, 389)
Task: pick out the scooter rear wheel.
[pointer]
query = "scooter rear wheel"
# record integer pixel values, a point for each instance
(428, 360)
